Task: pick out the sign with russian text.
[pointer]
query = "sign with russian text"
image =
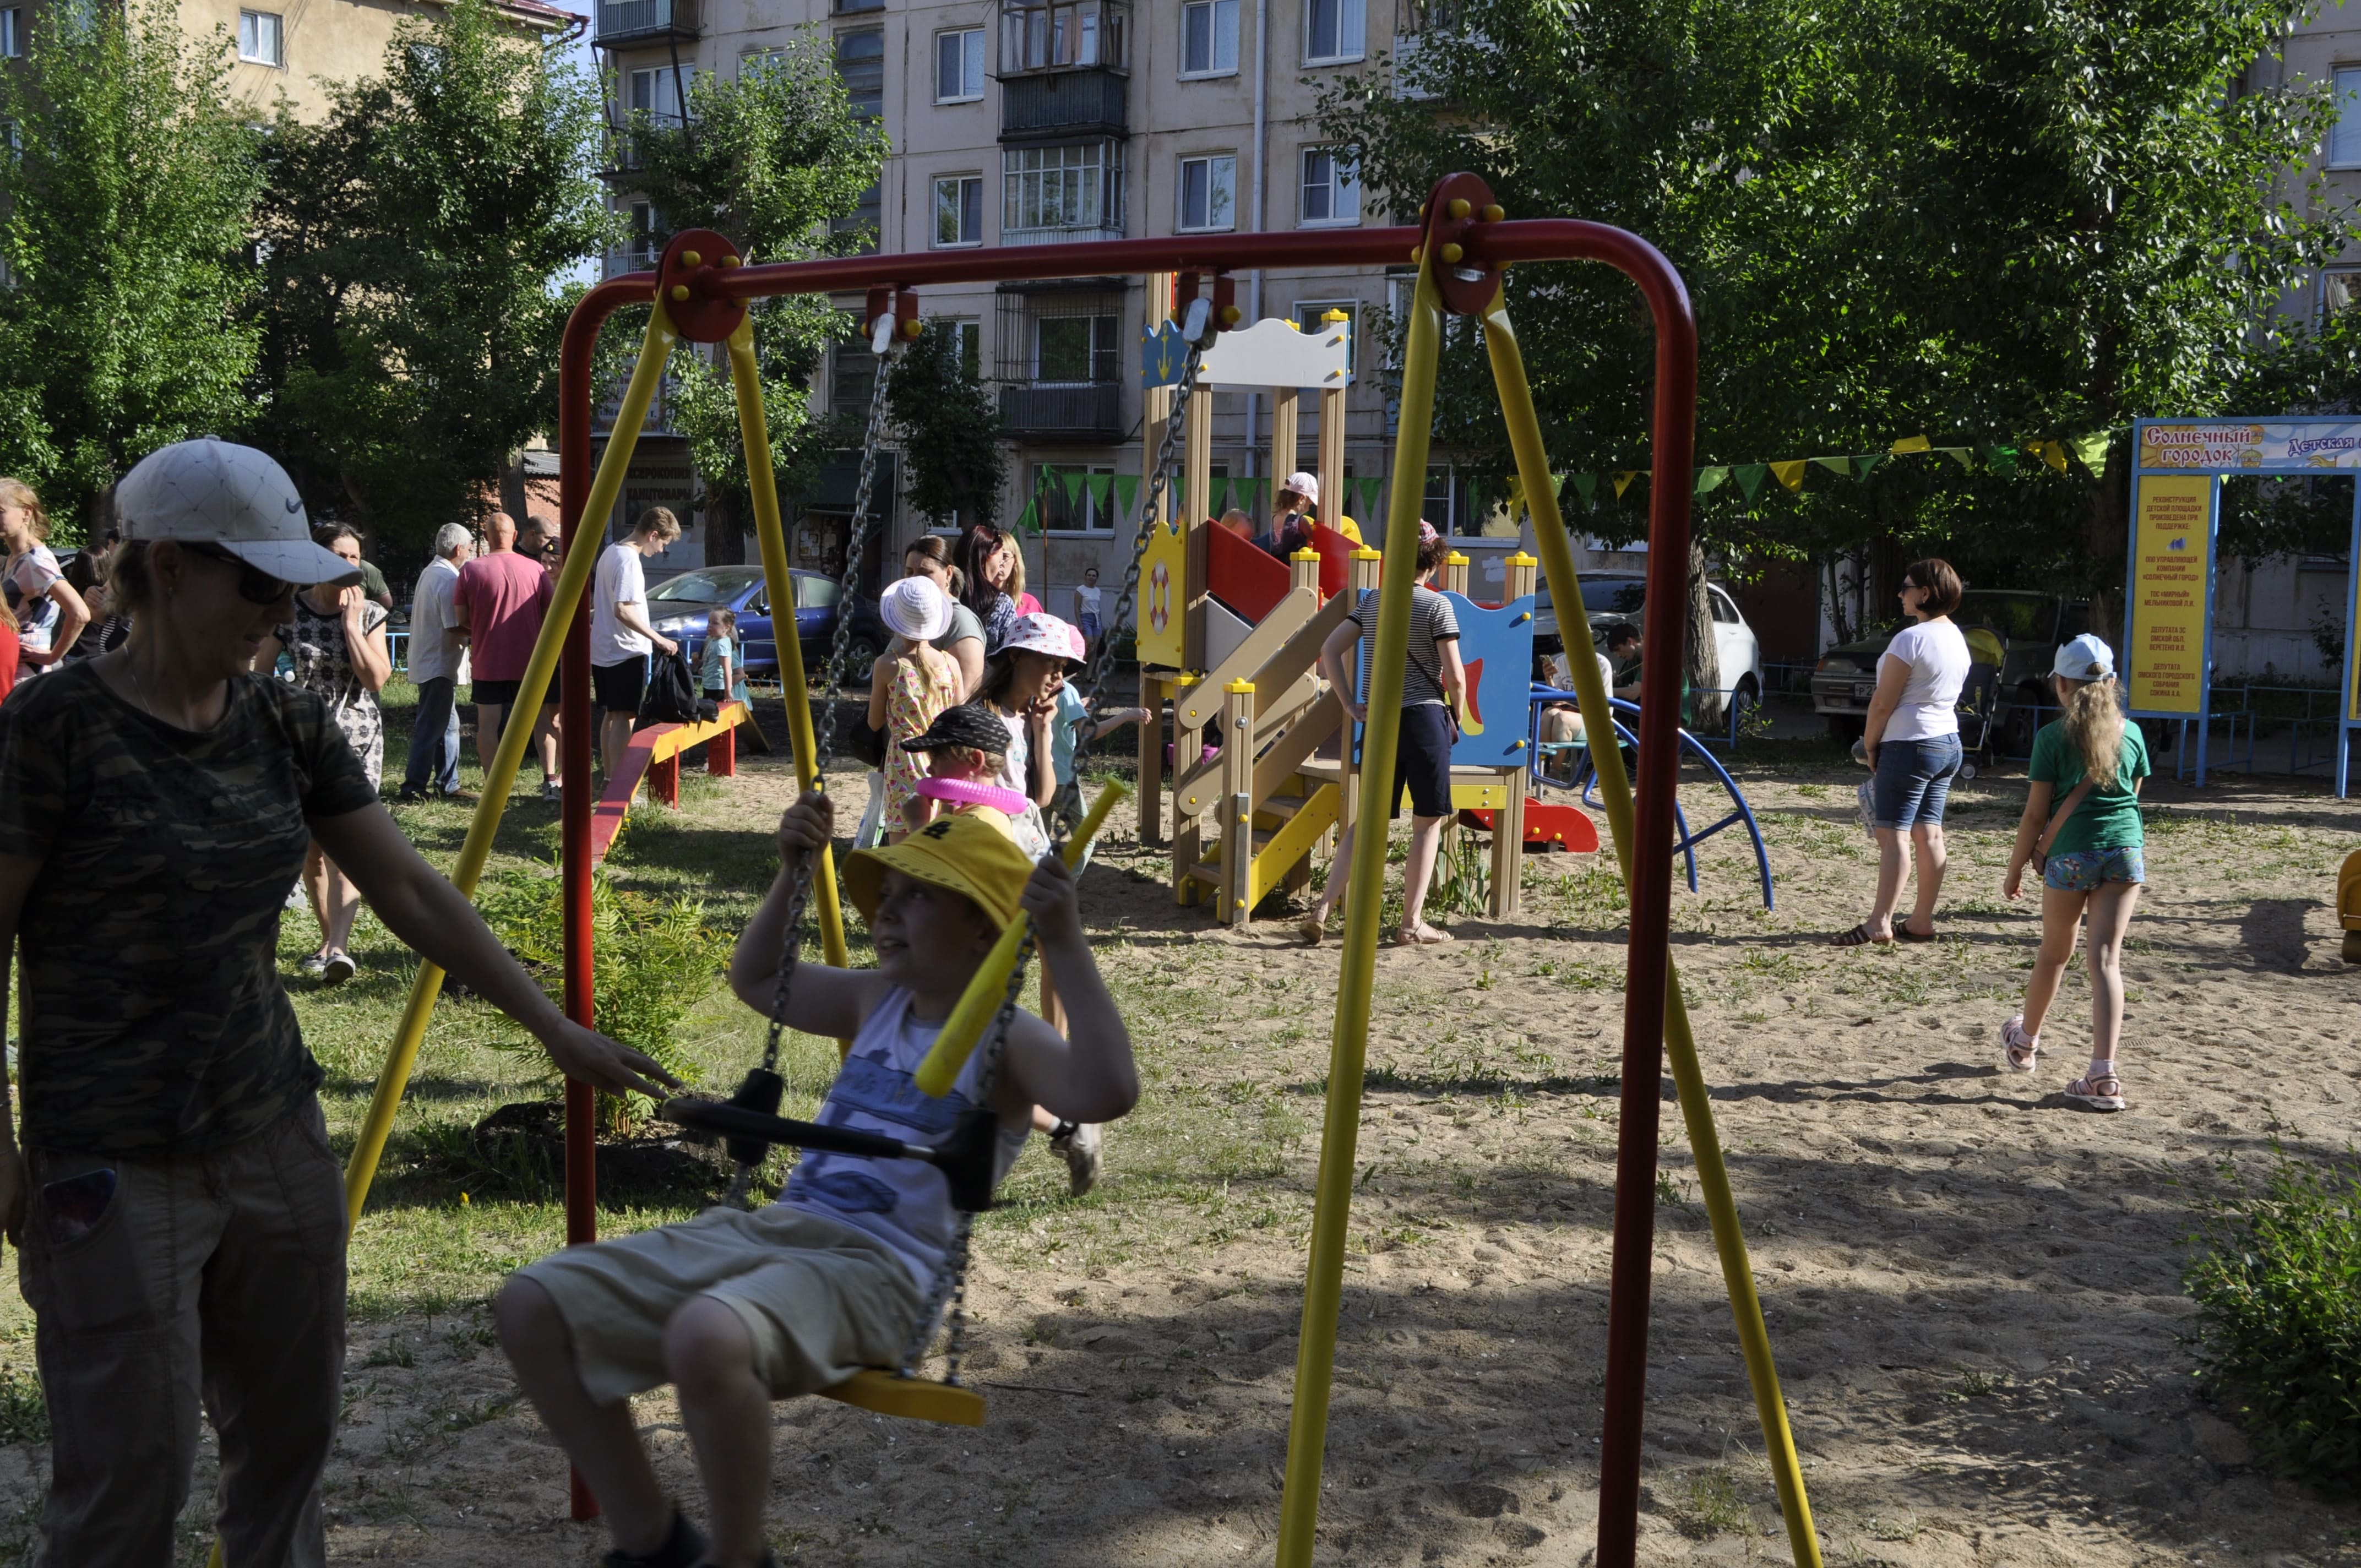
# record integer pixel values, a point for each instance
(2172, 573)
(2259, 446)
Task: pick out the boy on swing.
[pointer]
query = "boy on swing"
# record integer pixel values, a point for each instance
(736, 1309)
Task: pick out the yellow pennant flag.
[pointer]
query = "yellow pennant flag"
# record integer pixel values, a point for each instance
(2092, 451)
(1791, 472)
(1962, 455)
(1909, 445)
(2052, 453)
(1623, 481)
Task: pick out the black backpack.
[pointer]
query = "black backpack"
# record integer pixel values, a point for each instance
(672, 696)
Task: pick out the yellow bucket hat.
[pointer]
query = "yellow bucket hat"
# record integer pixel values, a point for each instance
(967, 853)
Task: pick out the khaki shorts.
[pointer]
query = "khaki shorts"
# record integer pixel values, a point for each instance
(820, 1299)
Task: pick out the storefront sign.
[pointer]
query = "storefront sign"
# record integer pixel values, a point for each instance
(2259, 446)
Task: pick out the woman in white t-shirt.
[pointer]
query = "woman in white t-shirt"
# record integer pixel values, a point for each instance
(1913, 739)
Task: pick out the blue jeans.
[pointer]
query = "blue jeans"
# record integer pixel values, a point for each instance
(434, 739)
(1913, 780)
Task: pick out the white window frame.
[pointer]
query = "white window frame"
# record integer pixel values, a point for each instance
(959, 185)
(11, 33)
(1211, 163)
(970, 44)
(1092, 350)
(2340, 290)
(1340, 160)
(1352, 39)
(254, 53)
(1088, 175)
(1090, 500)
(967, 329)
(663, 94)
(1213, 12)
(2343, 148)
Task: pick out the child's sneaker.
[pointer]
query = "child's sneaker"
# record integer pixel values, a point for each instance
(1080, 1150)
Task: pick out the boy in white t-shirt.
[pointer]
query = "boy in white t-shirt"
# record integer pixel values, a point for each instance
(621, 634)
(736, 1309)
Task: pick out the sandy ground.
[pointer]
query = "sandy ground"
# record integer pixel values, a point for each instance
(1973, 1287)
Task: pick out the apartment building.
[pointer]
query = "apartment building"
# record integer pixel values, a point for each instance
(1027, 122)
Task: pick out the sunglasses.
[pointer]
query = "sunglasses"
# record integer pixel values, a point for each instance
(253, 585)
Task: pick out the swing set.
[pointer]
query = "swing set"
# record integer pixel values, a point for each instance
(1461, 244)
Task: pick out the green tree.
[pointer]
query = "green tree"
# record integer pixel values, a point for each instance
(951, 432)
(124, 325)
(416, 240)
(768, 160)
(2003, 221)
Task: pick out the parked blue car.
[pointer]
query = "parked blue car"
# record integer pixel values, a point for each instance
(678, 605)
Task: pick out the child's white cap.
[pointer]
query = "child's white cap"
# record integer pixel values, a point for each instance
(2084, 659)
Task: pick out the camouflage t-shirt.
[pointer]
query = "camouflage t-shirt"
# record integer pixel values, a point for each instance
(153, 1022)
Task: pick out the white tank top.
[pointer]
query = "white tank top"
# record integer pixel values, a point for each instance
(905, 1203)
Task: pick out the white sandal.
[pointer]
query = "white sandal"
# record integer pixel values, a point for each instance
(2019, 1050)
(2099, 1091)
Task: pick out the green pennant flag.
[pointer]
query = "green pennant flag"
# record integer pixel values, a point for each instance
(2002, 460)
(1026, 523)
(1585, 486)
(2090, 451)
(1960, 455)
(1220, 496)
(1369, 489)
(1253, 502)
(1750, 477)
(1127, 490)
(1709, 480)
(1074, 483)
(1101, 490)
(1841, 465)
(1866, 463)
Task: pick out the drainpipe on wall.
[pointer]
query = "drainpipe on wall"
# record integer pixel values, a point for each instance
(1261, 161)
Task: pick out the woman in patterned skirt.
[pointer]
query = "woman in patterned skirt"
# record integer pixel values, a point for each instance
(337, 641)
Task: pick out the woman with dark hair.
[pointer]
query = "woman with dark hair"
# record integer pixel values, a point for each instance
(337, 637)
(179, 1211)
(929, 556)
(1911, 740)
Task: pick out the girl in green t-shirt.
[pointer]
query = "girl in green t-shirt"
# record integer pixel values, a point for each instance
(2082, 831)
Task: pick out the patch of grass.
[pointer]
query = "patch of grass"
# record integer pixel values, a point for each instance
(24, 1413)
(1709, 1504)
(2278, 1297)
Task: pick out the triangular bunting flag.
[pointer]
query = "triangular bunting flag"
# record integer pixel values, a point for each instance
(1126, 491)
(1587, 486)
(2052, 453)
(1074, 482)
(1750, 477)
(1369, 489)
(1790, 473)
(1256, 502)
(1101, 489)
(1623, 478)
(1962, 456)
(2090, 451)
(1866, 464)
(1905, 446)
(1836, 464)
(1026, 523)
(1709, 480)
(1217, 496)
(2002, 460)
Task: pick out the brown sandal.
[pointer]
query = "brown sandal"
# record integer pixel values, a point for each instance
(1859, 937)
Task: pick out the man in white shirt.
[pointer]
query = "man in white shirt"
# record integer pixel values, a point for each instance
(621, 636)
(438, 659)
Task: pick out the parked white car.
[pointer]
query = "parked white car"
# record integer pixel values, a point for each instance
(1609, 598)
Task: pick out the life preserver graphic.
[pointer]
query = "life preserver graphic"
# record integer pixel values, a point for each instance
(1159, 598)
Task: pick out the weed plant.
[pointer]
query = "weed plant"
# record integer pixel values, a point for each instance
(2278, 1297)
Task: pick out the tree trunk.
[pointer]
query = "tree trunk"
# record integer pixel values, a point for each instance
(1700, 659)
(725, 537)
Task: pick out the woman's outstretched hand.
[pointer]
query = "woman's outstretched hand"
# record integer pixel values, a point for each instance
(607, 1064)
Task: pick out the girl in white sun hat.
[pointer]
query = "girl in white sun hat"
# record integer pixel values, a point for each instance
(2082, 831)
(911, 684)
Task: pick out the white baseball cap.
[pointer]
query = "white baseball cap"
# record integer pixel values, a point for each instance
(1304, 484)
(1044, 633)
(915, 609)
(210, 491)
(2084, 659)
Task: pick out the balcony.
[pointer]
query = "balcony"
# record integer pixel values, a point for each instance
(1071, 411)
(644, 21)
(1087, 102)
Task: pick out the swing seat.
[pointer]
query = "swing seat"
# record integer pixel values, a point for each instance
(917, 1399)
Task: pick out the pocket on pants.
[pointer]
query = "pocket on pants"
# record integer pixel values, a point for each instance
(81, 1266)
(311, 1183)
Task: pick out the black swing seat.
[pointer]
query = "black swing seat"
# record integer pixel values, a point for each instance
(966, 1159)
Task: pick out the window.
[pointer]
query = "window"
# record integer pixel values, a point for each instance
(853, 378)
(1039, 35)
(1072, 350)
(1060, 512)
(861, 66)
(844, 6)
(969, 333)
(958, 210)
(2339, 291)
(1209, 193)
(2344, 140)
(260, 38)
(1448, 503)
(1209, 38)
(656, 94)
(1335, 30)
(1332, 187)
(1719, 604)
(1075, 186)
(959, 66)
(11, 33)
(1312, 316)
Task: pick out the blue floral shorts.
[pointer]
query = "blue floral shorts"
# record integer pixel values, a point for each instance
(2083, 871)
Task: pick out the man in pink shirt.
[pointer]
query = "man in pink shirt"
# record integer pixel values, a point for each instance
(502, 599)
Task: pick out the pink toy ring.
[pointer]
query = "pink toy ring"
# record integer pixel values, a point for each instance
(967, 792)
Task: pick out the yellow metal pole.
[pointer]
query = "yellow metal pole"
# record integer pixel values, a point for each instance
(754, 433)
(1615, 793)
(565, 595)
(1315, 1356)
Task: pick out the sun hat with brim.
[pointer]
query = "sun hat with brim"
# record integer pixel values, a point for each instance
(210, 491)
(962, 724)
(917, 610)
(966, 854)
(2084, 659)
(1045, 633)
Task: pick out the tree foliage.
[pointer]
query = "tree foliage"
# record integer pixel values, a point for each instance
(1989, 222)
(951, 432)
(123, 326)
(416, 240)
